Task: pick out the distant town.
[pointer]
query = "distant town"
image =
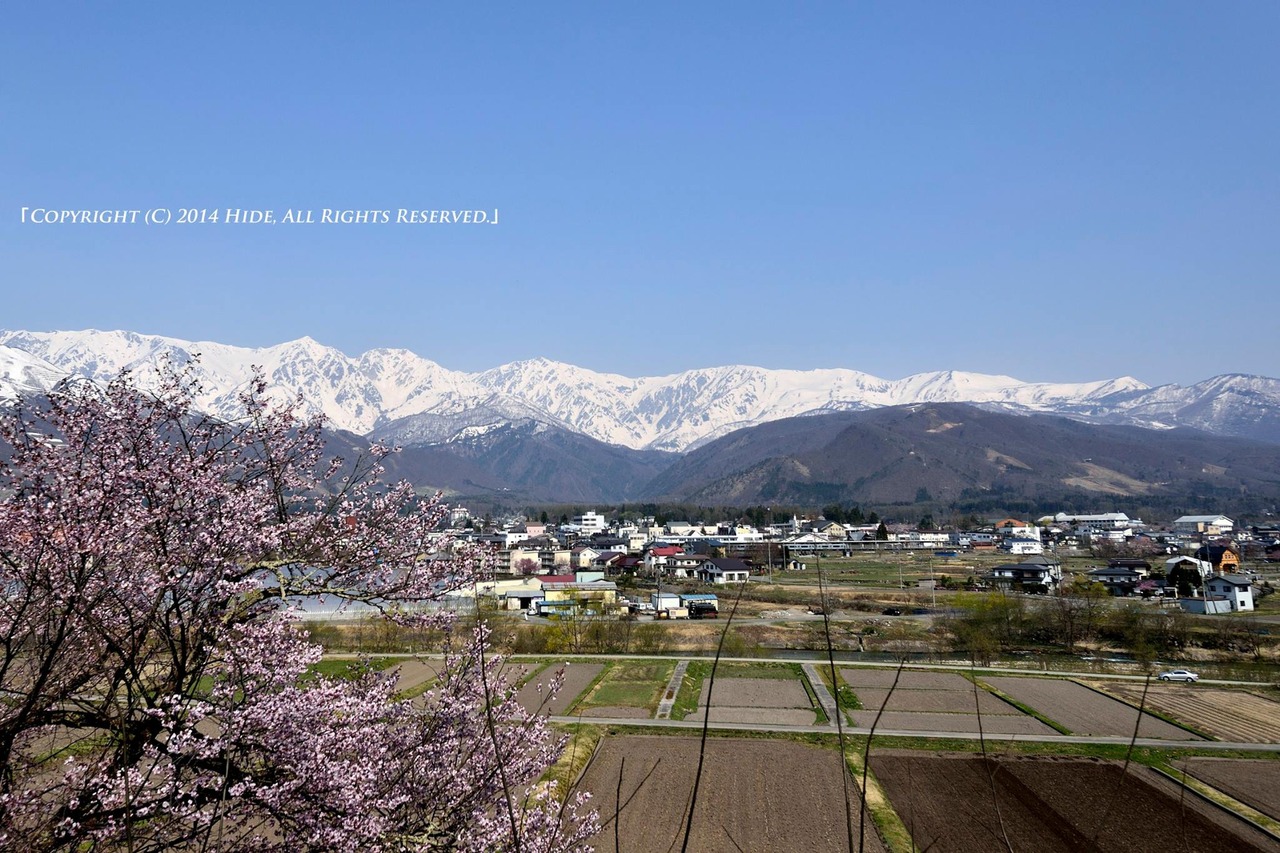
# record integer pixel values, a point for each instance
(573, 565)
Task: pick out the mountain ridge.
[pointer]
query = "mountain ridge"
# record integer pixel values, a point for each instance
(395, 394)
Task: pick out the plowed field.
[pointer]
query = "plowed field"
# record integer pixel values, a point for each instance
(933, 702)
(769, 701)
(1049, 805)
(903, 721)
(757, 693)
(534, 697)
(909, 680)
(1235, 716)
(1084, 711)
(936, 701)
(1253, 782)
(756, 795)
(414, 673)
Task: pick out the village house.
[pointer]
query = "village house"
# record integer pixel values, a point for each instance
(1022, 545)
(1203, 567)
(582, 556)
(657, 555)
(684, 565)
(609, 562)
(1119, 580)
(1223, 557)
(829, 529)
(1236, 589)
(1036, 574)
(723, 570)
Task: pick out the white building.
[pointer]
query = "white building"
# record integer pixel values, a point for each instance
(1204, 567)
(1100, 522)
(1236, 589)
(590, 522)
(1024, 546)
(1210, 525)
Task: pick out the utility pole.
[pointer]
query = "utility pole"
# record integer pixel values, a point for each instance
(769, 543)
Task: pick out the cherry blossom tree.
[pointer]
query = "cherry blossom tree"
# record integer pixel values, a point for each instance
(155, 693)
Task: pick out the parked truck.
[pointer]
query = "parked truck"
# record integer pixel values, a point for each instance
(701, 605)
(703, 610)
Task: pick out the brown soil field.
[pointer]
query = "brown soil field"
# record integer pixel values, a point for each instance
(905, 721)
(1084, 711)
(757, 693)
(1050, 804)
(415, 673)
(935, 701)
(617, 712)
(766, 701)
(910, 679)
(1252, 781)
(758, 795)
(758, 716)
(1235, 716)
(576, 678)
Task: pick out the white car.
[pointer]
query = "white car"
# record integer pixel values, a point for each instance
(1179, 675)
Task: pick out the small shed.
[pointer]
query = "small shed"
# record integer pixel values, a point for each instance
(1205, 606)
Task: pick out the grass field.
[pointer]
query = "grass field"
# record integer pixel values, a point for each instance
(629, 684)
(348, 668)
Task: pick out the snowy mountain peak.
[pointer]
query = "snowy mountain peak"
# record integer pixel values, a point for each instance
(398, 395)
(23, 374)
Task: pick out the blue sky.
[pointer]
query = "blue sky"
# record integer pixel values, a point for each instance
(1056, 191)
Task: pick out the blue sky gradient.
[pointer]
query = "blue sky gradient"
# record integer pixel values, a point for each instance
(1059, 192)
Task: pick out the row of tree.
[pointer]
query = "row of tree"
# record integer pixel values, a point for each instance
(986, 625)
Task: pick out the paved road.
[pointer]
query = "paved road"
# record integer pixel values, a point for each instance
(952, 667)
(756, 727)
(825, 699)
(851, 664)
(673, 688)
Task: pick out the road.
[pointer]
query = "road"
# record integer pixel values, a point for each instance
(849, 664)
(696, 725)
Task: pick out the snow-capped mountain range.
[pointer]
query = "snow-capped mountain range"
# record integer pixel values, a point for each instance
(396, 395)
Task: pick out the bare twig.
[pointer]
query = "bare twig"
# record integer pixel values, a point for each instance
(493, 736)
(835, 686)
(617, 807)
(866, 758)
(732, 840)
(706, 720)
(624, 806)
(987, 763)
(1124, 770)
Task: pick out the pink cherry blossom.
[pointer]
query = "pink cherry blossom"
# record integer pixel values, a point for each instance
(154, 687)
